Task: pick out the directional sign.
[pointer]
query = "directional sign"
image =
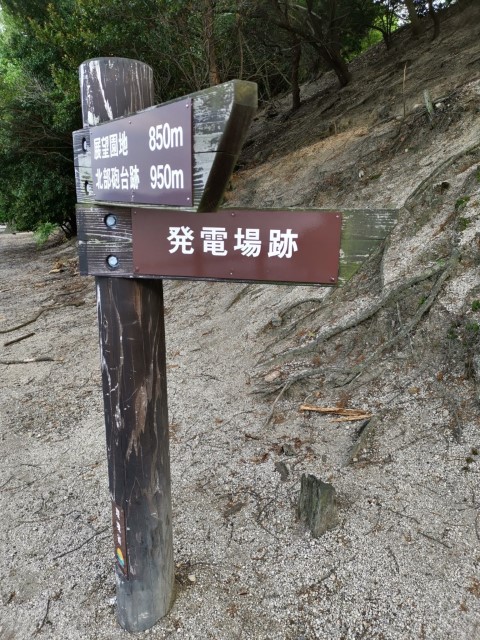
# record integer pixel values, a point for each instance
(145, 158)
(259, 246)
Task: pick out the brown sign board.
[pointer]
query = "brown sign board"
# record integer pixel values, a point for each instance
(145, 158)
(242, 245)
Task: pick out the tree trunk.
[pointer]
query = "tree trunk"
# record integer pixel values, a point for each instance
(296, 57)
(335, 61)
(417, 26)
(435, 18)
(240, 40)
(209, 23)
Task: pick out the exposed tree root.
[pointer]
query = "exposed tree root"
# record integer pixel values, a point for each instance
(435, 174)
(243, 292)
(37, 315)
(349, 376)
(406, 329)
(385, 299)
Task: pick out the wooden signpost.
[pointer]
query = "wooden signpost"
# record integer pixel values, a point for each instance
(149, 181)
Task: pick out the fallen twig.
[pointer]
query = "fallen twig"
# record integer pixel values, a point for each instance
(28, 361)
(41, 624)
(65, 553)
(9, 342)
(433, 539)
(347, 414)
(27, 322)
(272, 410)
(394, 558)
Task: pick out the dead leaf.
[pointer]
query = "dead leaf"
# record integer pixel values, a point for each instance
(58, 268)
(474, 588)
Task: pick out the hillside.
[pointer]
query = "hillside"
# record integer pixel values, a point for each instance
(399, 342)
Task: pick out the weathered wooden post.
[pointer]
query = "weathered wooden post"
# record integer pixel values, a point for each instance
(132, 344)
(178, 154)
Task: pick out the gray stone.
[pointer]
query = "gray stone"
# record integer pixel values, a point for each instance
(317, 505)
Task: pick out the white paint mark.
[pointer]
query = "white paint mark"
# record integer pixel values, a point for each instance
(93, 120)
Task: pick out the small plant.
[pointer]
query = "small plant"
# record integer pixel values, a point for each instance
(461, 203)
(463, 223)
(472, 327)
(452, 332)
(476, 305)
(43, 232)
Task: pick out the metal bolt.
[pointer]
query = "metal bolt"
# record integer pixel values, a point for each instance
(111, 221)
(84, 145)
(112, 262)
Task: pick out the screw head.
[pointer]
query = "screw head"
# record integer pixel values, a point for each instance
(111, 221)
(112, 262)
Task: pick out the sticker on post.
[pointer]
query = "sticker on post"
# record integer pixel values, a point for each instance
(120, 538)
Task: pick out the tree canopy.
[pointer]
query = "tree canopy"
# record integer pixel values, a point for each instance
(189, 44)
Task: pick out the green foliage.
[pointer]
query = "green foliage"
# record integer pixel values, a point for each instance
(43, 232)
(476, 305)
(461, 203)
(187, 43)
(463, 224)
(37, 117)
(472, 327)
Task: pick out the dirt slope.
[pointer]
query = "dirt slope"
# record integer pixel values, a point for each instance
(400, 341)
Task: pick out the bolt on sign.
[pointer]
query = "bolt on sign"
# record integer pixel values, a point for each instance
(149, 181)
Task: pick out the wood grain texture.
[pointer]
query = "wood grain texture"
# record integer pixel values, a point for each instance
(96, 241)
(114, 87)
(363, 230)
(136, 418)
